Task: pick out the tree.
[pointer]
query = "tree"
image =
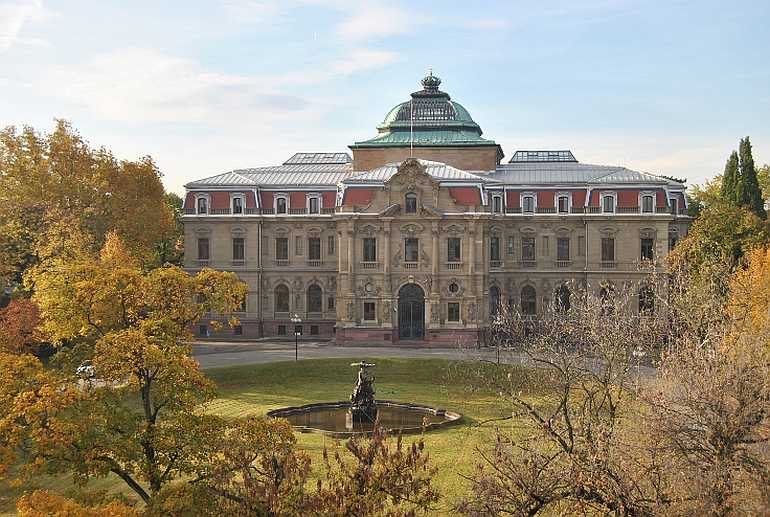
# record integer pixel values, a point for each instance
(18, 327)
(750, 295)
(747, 192)
(45, 504)
(171, 248)
(143, 419)
(703, 196)
(763, 178)
(730, 180)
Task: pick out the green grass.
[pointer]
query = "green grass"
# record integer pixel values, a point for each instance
(256, 389)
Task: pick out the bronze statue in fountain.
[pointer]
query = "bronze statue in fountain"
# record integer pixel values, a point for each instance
(363, 408)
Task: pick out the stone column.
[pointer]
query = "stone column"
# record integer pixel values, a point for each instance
(435, 257)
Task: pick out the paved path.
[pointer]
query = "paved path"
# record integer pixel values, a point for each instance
(218, 354)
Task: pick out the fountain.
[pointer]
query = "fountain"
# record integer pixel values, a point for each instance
(363, 413)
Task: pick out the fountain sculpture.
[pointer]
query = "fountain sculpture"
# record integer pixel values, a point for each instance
(363, 407)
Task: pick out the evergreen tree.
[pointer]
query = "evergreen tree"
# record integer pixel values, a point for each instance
(730, 180)
(747, 191)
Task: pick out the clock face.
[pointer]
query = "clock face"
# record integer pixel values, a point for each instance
(369, 287)
(453, 288)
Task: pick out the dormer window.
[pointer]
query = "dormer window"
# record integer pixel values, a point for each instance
(528, 204)
(674, 205)
(280, 205)
(497, 204)
(314, 205)
(648, 204)
(410, 203)
(203, 205)
(237, 202)
(608, 203)
(562, 203)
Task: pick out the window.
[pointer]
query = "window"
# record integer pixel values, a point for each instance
(314, 299)
(280, 205)
(238, 330)
(238, 248)
(647, 247)
(494, 301)
(674, 205)
(281, 248)
(238, 205)
(562, 248)
(494, 248)
(608, 249)
(203, 330)
(410, 203)
(528, 300)
(330, 303)
(562, 298)
(453, 249)
(370, 249)
(281, 331)
(314, 330)
(314, 205)
(563, 204)
(411, 249)
(497, 204)
(298, 330)
(203, 205)
(203, 249)
(608, 204)
(528, 204)
(581, 246)
(453, 311)
(646, 300)
(528, 248)
(511, 245)
(369, 313)
(331, 244)
(314, 248)
(648, 204)
(298, 245)
(281, 298)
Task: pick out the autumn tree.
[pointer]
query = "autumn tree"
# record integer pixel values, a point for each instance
(18, 327)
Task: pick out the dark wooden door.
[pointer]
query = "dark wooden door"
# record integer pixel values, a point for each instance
(411, 312)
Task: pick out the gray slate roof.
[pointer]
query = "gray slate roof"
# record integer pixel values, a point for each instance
(544, 173)
(315, 158)
(281, 175)
(436, 170)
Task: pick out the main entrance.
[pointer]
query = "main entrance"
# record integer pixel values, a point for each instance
(411, 312)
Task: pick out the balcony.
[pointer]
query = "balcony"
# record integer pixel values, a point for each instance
(314, 263)
(495, 264)
(563, 263)
(328, 211)
(203, 262)
(609, 264)
(410, 265)
(238, 262)
(297, 211)
(454, 266)
(281, 262)
(628, 210)
(370, 265)
(527, 263)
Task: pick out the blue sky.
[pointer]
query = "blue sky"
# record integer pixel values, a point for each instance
(205, 87)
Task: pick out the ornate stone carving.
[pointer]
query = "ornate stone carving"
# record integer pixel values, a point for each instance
(412, 229)
(471, 308)
(435, 314)
(297, 284)
(331, 283)
(351, 311)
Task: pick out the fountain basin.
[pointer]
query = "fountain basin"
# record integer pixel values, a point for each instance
(333, 418)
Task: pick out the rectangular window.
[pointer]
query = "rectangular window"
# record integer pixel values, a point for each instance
(647, 247)
(202, 205)
(581, 246)
(370, 249)
(528, 248)
(497, 204)
(608, 249)
(203, 249)
(608, 204)
(494, 248)
(314, 248)
(281, 330)
(453, 249)
(314, 205)
(238, 248)
(369, 313)
(647, 204)
(411, 249)
(282, 248)
(330, 303)
(562, 248)
(298, 245)
(203, 331)
(331, 244)
(511, 245)
(453, 311)
(314, 330)
(237, 205)
(280, 205)
(528, 204)
(563, 204)
(674, 206)
(238, 330)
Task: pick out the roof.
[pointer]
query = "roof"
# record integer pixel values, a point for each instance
(316, 158)
(558, 173)
(543, 156)
(436, 170)
(314, 174)
(425, 137)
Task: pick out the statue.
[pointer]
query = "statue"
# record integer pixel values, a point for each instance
(363, 408)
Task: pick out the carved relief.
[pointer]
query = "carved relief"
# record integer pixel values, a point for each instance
(331, 283)
(369, 230)
(412, 229)
(454, 230)
(435, 315)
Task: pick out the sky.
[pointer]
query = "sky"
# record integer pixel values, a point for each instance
(667, 87)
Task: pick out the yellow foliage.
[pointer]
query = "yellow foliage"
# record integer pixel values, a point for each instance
(45, 504)
(750, 294)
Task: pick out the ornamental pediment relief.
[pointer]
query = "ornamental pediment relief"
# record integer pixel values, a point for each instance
(369, 230)
(412, 229)
(410, 174)
(454, 230)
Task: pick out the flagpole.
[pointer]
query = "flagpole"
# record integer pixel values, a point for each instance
(411, 128)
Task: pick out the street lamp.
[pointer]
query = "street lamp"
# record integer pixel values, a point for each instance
(296, 320)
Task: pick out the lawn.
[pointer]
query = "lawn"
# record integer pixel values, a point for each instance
(256, 389)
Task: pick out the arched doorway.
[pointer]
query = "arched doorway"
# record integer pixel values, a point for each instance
(411, 312)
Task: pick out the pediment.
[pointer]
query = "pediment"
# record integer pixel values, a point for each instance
(410, 175)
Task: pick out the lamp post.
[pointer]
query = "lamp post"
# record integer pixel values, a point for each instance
(296, 320)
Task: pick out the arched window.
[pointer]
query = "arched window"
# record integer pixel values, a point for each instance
(562, 296)
(203, 205)
(494, 301)
(280, 205)
(410, 203)
(528, 300)
(281, 298)
(314, 297)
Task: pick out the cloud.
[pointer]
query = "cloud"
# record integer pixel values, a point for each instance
(373, 20)
(13, 18)
(251, 11)
(364, 59)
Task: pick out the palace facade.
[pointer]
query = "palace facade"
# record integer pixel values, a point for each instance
(424, 232)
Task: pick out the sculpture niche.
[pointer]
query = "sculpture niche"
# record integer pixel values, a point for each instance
(363, 408)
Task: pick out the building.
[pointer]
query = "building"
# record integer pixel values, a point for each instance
(424, 232)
